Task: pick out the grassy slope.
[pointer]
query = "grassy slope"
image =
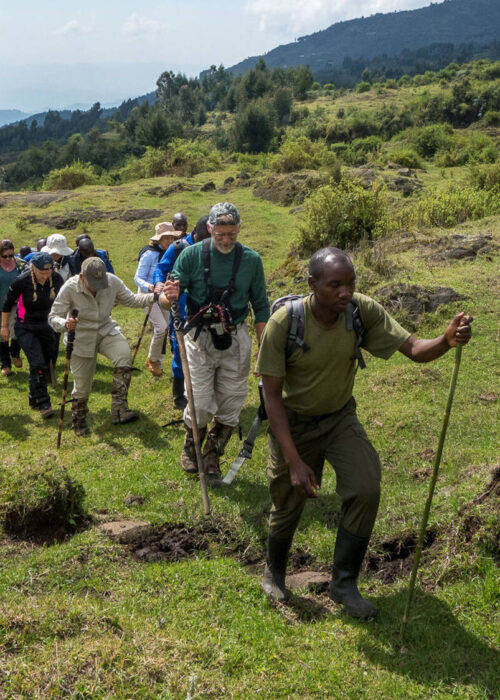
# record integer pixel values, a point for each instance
(81, 619)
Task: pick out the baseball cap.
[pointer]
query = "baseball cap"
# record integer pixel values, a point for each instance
(42, 261)
(94, 271)
(223, 214)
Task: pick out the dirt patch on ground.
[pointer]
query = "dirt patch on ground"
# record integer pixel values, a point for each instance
(39, 199)
(71, 220)
(414, 300)
(395, 556)
(459, 246)
(288, 189)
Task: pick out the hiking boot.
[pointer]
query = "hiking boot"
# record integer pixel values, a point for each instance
(120, 412)
(217, 439)
(273, 581)
(79, 412)
(188, 454)
(17, 362)
(154, 368)
(6, 371)
(180, 401)
(46, 411)
(347, 559)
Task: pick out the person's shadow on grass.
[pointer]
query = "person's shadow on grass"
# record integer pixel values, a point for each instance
(437, 649)
(146, 430)
(17, 425)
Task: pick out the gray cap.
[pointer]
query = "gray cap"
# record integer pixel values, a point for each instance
(94, 271)
(223, 214)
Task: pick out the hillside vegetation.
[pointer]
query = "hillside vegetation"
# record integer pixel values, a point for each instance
(406, 176)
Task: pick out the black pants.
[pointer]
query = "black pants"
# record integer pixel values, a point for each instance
(40, 345)
(7, 352)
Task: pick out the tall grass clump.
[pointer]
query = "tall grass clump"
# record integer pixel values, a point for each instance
(70, 177)
(456, 205)
(485, 177)
(342, 215)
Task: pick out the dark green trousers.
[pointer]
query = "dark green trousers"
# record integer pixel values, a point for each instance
(340, 439)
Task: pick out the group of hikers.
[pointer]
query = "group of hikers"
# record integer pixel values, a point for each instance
(309, 350)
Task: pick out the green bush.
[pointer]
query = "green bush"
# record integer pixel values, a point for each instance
(192, 157)
(430, 139)
(492, 118)
(406, 157)
(342, 215)
(485, 177)
(252, 161)
(456, 205)
(300, 153)
(468, 147)
(363, 86)
(70, 177)
(40, 498)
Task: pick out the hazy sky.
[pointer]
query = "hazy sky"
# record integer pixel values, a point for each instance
(147, 37)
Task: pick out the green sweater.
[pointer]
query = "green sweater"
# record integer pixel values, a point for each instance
(250, 281)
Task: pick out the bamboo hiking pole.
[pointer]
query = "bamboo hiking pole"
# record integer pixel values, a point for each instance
(141, 334)
(437, 461)
(69, 352)
(192, 410)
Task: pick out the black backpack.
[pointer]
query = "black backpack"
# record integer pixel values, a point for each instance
(157, 248)
(296, 325)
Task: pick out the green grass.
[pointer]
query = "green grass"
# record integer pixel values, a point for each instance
(83, 619)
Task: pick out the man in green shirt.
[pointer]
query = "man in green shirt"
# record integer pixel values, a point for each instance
(312, 417)
(221, 278)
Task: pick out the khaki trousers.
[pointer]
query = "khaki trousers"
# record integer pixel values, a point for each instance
(219, 377)
(114, 347)
(340, 439)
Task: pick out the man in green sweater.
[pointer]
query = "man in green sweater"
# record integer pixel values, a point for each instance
(312, 417)
(221, 277)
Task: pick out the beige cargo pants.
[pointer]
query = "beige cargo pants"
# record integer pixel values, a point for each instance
(114, 347)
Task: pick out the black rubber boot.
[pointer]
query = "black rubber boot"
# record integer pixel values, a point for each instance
(273, 581)
(180, 401)
(38, 394)
(347, 559)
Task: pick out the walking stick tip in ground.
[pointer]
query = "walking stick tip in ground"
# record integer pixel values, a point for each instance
(432, 484)
(69, 351)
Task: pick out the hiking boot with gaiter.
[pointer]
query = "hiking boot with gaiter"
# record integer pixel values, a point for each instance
(347, 559)
(79, 412)
(217, 439)
(38, 395)
(180, 401)
(188, 455)
(273, 581)
(120, 412)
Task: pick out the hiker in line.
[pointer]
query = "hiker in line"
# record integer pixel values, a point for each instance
(166, 264)
(34, 292)
(165, 234)
(312, 415)
(57, 247)
(85, 249)
(221, 277)
(94, 292)
(39, 245)
(10, 269)
(24, 250)
(180, 223)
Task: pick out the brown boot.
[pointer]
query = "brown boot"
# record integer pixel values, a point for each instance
(79, 412)
(188, 455)
(217, 439)
(120, 412)
(154, 368)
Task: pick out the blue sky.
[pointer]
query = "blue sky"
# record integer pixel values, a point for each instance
(57, 53)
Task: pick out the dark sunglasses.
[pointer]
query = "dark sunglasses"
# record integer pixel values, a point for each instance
(11, 255)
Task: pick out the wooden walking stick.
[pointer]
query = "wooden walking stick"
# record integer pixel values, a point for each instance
(141, 335)
(69, 351)
(189, 391)
(437, 460)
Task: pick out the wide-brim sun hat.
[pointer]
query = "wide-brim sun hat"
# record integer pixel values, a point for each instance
(56, 243)
(165, 228)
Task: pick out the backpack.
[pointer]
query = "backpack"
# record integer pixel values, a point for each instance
(296, 325)
(179, 246)
(158, 249)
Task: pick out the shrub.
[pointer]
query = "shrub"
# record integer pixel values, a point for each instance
(342, 215)
(407, 158)
(298, 153)
(492, 118)
(192, 157)
(70, 177)
(456, 205)
(485, 177)
(40, 496)
(469, 147)
(363, 86)
(430, 139)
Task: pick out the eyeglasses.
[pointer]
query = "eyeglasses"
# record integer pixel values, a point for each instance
(11, 255)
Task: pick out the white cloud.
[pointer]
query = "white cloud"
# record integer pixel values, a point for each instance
(71, 28)
(298, 17)
(136, 26)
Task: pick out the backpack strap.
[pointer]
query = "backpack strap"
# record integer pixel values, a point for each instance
(205, 255)
(296, 326)
(354, 323)
(179, 246)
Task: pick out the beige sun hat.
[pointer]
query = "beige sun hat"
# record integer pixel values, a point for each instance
(165, 228)
(56, 243)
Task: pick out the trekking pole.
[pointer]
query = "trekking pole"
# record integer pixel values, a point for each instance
(141, 334)
(69, 352)
(437, 460)
(189, 391)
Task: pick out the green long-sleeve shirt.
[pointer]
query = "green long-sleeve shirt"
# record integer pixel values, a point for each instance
(250, 281)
